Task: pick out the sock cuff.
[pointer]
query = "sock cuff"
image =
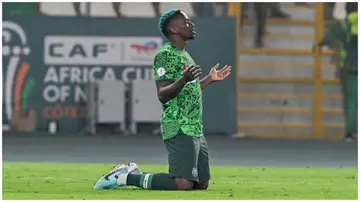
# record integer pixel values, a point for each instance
(121, 180)
(146, 180)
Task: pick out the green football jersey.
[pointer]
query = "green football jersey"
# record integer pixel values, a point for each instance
(185, 110)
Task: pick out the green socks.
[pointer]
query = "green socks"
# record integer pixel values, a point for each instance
(157, 181)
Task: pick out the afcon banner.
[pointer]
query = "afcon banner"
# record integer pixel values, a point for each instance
(73, 61)
(48, 61)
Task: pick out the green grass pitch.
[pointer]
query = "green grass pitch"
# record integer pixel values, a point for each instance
(75, 181)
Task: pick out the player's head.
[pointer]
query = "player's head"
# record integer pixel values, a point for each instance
(176, 23)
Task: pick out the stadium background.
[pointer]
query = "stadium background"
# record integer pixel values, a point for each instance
(281, 88)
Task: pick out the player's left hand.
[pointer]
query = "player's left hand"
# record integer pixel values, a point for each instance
(219, 75)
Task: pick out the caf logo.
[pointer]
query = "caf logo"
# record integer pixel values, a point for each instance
(16, 87)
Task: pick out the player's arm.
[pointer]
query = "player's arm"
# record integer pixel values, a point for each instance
(166, 70)
(167, 90)
(204, 82)
(215, 75)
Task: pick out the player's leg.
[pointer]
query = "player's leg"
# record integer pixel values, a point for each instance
(183, 159)
(150, 181)
(109, 181)
(183, 153)
(130, 175)
(351, 105)
(158, 181)
(203, 166)
(342, 77)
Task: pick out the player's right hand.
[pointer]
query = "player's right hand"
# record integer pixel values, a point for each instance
(191, 73)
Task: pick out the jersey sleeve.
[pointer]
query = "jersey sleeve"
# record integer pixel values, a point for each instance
(167, 66)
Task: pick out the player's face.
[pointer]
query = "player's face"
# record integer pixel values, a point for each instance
(186, 28)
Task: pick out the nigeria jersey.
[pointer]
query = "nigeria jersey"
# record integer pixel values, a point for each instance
(185, 110)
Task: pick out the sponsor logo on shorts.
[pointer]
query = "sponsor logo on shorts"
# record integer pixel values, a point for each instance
(194, 172)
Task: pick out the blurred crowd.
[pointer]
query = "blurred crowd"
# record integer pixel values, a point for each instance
(264, 11)
(261, 12)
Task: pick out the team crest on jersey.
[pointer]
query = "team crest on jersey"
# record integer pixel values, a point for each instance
(161, 71)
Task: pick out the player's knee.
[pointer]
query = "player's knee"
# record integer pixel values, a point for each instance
(202, 186)
(183, 184)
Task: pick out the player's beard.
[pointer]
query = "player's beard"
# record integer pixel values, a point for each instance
(191, 36)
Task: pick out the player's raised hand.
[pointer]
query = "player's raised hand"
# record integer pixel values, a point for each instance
(218, 75)
(191, 73)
